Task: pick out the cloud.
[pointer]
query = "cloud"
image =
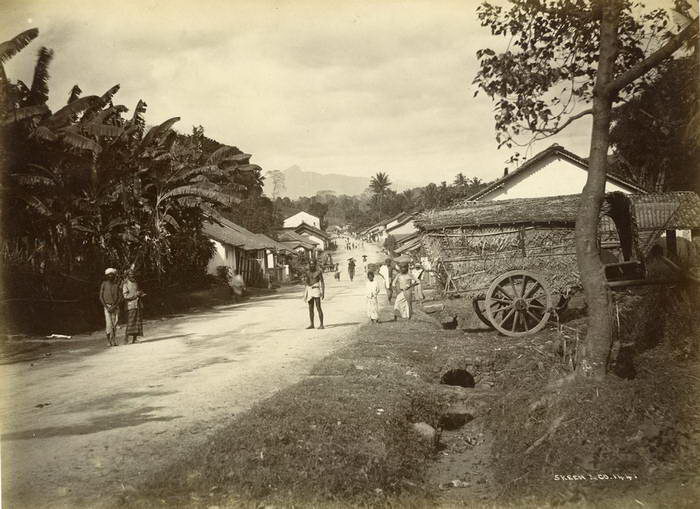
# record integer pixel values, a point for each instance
(348, 87)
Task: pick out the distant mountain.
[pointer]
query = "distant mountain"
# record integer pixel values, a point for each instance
(307, 183)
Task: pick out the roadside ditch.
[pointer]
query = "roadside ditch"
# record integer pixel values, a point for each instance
(413, 415)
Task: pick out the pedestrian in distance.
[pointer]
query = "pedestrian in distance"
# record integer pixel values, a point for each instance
(314, 293)
(132, 296)
(372, 292)
(111, 298)
(238, 286)
(351, 268)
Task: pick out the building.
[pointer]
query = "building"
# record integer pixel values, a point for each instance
(302, 217)
(256, 256)
(303, 246)
(553, 172)
(403, 224)
(321, 238)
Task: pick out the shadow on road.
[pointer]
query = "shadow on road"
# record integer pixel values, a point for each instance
(95, 425)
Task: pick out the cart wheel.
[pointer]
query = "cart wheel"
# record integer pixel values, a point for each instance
(518, 303)
(480, 310)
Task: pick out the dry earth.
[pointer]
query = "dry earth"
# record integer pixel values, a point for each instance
(83, 423)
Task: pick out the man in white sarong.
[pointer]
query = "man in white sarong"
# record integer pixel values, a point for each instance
(314, 293)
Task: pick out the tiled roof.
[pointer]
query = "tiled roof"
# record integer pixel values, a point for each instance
(411, 245)
(288, 234)
(402, 221)
(312, 229)
(233, 234)
(678, 210)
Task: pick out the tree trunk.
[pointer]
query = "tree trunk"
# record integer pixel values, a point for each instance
(593, 356)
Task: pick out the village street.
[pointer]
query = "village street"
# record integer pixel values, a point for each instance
(86, 422)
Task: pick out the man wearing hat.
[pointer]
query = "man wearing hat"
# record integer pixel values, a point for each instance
(111, 297)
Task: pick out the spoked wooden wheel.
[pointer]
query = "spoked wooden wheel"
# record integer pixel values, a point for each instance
(479, 303)
(518, 303)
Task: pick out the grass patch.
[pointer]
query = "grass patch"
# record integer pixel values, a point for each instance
(644, 427)
(342, 436)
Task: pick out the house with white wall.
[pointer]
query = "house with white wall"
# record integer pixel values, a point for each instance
(553, 172)
(302, 217)
(404, 225)
(254, 255)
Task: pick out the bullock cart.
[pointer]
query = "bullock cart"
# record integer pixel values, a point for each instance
(516, 259)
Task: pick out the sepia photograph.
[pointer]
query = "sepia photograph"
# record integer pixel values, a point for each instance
(290, 254)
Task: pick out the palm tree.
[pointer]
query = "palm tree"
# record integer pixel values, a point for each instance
(379, 185)
(461, 181)
(410, 199)
(430, 196)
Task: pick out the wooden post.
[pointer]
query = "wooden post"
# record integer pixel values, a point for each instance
(671, 243)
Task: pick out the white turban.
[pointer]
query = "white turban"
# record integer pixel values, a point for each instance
(110, 271)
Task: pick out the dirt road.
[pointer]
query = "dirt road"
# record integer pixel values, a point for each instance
(83, 423)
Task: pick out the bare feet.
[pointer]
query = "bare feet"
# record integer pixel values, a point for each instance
(321, 326)
(310, 327)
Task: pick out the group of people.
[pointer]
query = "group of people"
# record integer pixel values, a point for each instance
(352, 244)
(403, 283)
(112, 295)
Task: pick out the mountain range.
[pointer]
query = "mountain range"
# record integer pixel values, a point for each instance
(299, 182)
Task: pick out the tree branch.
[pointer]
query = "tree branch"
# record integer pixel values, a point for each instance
(654, 59)
(555, 130)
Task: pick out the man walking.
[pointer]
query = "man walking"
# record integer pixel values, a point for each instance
(314, 293)
(110, 297)
(351, 268)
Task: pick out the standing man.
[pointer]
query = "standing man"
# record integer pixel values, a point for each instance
(404, 283)
(314, 293)
(351, 268)
(132, 296)
(110, 297)
(387, 272)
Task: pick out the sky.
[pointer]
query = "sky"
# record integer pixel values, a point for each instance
(333, 87)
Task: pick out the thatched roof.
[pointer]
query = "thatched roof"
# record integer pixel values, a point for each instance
(671, 211)
(549, 209)
(678, 210)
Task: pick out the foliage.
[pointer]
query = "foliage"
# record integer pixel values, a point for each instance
(544, 77)
(361, 211)
(647, 135)
(562, 54)
(90, 187)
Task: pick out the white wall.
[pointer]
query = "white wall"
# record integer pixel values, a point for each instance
(409, 227)
(302, 217)
(223, 255)
(552, 177)
(321, 243)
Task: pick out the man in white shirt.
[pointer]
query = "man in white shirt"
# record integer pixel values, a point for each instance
(387, 272)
